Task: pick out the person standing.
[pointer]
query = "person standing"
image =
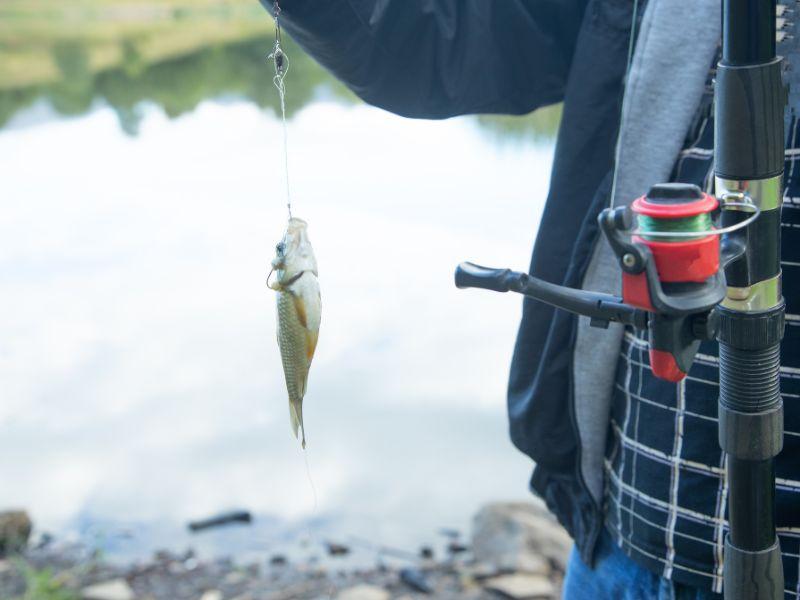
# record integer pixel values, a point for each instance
(629, 464)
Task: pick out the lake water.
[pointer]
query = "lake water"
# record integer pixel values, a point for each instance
(141, 381)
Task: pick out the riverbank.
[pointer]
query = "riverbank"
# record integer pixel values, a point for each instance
(515, 551)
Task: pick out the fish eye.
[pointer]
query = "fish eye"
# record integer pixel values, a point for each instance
(280, 248)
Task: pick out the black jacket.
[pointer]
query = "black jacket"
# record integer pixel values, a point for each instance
(441, 58)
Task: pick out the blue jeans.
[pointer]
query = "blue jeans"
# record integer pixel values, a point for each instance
(617, 577)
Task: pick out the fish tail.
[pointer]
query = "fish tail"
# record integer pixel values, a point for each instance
(296, 417)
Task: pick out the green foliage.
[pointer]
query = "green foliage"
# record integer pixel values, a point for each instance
(42, 585)
(12, 101)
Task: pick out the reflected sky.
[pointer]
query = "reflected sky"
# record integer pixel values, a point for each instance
(141, 377)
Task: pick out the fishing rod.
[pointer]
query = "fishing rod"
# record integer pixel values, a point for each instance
(750, 98)
(699, 267)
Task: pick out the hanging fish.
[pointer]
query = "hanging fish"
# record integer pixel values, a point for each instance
(299, 310)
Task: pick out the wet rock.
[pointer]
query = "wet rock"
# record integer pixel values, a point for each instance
(364, 592)
(278, 560)
(211, 595)
(15, 530)
(522, 586)
(456, 548)
(519, 536)
(116, 589)
(416, 580)
(44, 541)
(479, 571)
(335, 549)
(236, 516)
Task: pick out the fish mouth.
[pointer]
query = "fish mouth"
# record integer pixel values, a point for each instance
(296, 236)
(296, 225)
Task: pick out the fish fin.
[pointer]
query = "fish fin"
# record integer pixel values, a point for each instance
(311, 344)
(300, 310)
(296, 417)
(274, 285)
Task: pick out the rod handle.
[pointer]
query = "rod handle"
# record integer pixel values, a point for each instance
(470, 275)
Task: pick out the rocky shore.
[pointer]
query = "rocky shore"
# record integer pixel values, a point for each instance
(516, 551)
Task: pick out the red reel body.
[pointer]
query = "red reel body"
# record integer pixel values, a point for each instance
(680, 264)
(693, 260)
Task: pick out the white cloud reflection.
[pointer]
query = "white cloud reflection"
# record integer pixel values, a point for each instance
(140, 375)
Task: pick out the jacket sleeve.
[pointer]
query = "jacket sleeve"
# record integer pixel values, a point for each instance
(441, 58)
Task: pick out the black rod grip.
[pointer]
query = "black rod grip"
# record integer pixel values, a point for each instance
(753, 575)
(748, 121)
(748, 31)
(751, 511)
(470, 275)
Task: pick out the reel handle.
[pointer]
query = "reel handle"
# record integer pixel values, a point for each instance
(470, 275)
(602, 309)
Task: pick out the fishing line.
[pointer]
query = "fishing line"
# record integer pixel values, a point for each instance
(311, 537)
(618, 146)
(280, 61)
(310, 479)
(697, 225)
(310, 534)
(674, 234)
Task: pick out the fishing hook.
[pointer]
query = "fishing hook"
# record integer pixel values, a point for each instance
(276, 286)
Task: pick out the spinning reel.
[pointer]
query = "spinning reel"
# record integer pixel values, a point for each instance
(672, 274)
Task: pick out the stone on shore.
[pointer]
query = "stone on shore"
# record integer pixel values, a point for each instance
(522, 586)
(416, 580)
(364, 592)
(519, 536)
(116, 589)
(15, 530)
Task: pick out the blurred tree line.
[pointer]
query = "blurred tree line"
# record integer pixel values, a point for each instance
(178, 85)
(172, 53)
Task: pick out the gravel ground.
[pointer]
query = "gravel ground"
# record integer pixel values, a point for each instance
(171, 577)
(516, 551)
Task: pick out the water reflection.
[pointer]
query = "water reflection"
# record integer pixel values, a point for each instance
(142, 382)
(177, 86)
(72, 70)
(141, 379)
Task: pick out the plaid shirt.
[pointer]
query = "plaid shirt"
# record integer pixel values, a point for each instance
(666, 487)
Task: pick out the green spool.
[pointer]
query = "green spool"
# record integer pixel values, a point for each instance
(699, 223)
